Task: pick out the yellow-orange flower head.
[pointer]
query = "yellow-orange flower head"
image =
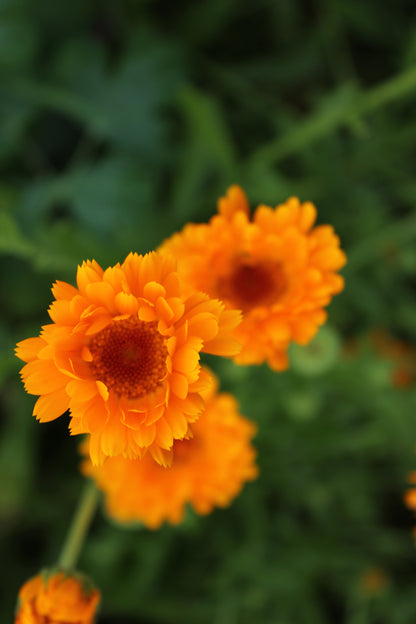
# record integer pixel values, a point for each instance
(276, 267)
(57, 599)
(122, 354)
(208, 470)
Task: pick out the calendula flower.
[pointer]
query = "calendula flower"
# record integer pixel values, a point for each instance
(410, 495)
(57, 598)
(276, 267)
(122, 354)
(208, 470)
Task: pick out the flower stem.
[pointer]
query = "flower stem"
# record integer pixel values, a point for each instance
(350, 106)
(79, 527)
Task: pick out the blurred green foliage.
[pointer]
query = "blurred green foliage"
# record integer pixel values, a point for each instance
(120, 121)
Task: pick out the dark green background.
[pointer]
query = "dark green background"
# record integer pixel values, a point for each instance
(119, 122)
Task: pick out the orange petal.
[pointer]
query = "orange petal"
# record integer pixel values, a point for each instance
(163, 309)
(62, 290)
(304, 330)
(144, 436)
(192, 406)
(89, 272)
(234, 201)
(307, 216)
(81, 390)
(279, 328)
(153, 414)
(99, 323)
(177, 306)
(153, 290)
(146, 270)
(164, 437)
(133, 420)
(177, 423)
(286, 213)
(102, 389)
(229, 319)
(278, 361)
(61, 313)
(96, 452)
(329, 259)
(162, 456)
(27, 350)
(222, 346)
(50, 406)
(126, 303)
(116, 278)
(204, 325)
(75, 426)
(179, 385)
(172, 283)
(146, 312)
(94, 417)
(206, 384)
(114, 437)
(102, 294)
(185, 359)
(42, 377)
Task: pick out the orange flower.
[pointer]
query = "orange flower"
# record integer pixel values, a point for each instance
(122, 354)
(57, 598)
(410, 495)
(277, 268)
(373, 581)
(208, 470)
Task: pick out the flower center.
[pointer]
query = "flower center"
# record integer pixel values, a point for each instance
(249, 285)
(129, 356)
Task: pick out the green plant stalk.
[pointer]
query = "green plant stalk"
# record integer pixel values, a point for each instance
(322, 123)
(79, 527)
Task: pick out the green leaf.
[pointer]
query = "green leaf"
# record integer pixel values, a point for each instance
(209, 150)
(11, 240)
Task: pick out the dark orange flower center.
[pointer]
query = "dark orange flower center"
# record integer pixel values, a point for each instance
(248, 286)
(129, 356)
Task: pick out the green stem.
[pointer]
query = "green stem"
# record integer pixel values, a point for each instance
(79, 527)
(393, 89)
(321, 123)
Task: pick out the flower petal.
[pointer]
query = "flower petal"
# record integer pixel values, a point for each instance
(50, 406)
(27, 350)
(42, 377)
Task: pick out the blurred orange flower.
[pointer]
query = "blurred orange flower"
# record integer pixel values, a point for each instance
(122, 353)
(208, 470)
(275, 267)
(57, 599)
(373, 581)
(400, 353)
(410, 495)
